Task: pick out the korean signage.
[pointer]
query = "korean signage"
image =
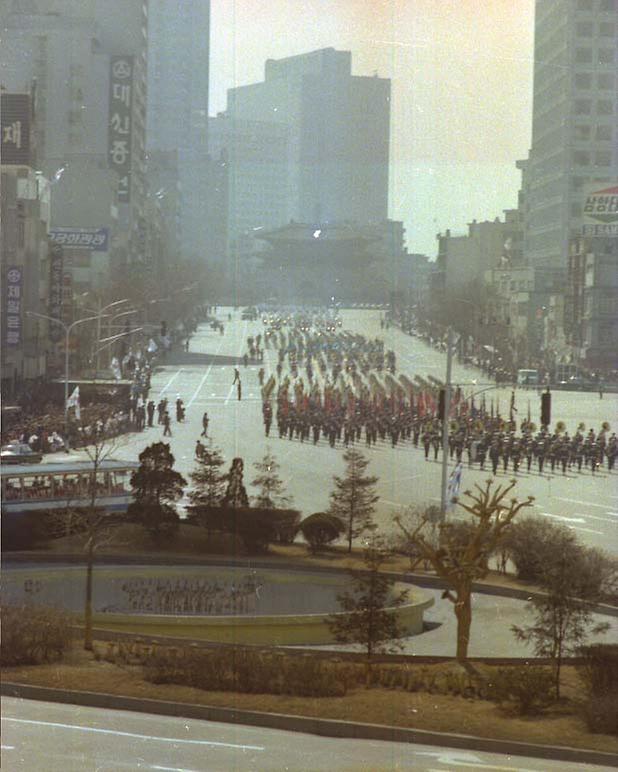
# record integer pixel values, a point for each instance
(600, 212)
(120, 122)
(94, 239)
(55, 291)
(15, 112)
(14, 289)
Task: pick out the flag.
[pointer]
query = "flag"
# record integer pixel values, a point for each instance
(115, 367)
(73, 401)
(454, 484)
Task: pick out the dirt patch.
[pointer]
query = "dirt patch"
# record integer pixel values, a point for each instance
(561, 725)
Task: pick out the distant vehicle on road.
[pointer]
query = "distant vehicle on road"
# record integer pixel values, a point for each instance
(19, 453)
(249, 314)
(527, 377)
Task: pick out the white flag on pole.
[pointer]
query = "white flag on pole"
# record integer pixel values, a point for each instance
(73, 401)
(454, 484)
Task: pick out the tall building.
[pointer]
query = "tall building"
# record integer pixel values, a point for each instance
(574, 127)
(87, 62)
(338, 133)
(178, 71)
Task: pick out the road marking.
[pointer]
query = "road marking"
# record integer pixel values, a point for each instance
(572, 520)
(169, 383)
(7, 747)
(578, 501)
(95, 730)
(173, 769)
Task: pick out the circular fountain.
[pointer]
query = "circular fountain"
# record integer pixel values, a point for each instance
(230, 604)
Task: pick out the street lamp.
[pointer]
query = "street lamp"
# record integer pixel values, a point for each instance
(67, 333)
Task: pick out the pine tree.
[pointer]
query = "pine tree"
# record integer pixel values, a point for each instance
(156, 487)
(270, 484)
(235, 494)
(370, 605)
(208, 482)
(354, 496)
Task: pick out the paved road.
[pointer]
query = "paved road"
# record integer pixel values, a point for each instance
(203, 378)
(66, 738)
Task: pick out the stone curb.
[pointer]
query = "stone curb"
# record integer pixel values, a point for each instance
(308, 725)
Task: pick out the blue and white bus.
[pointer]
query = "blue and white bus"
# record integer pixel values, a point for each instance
(64, 484)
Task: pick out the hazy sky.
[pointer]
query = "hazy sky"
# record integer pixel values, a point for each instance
(461, 97)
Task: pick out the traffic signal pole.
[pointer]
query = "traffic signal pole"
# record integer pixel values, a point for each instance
(445, 421)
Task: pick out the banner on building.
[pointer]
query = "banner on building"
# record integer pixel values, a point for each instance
(94, 239)
(120, 122)
(14, 291)
(15, 120)
(600, 211)
(56, 271)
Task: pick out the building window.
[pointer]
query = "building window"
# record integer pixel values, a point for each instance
(584, 29)
(576, 209)
(577, 183)
(583, 106)
(606, 80)
(581, 158)
(581, 132)
(604, 133)
(583, 55)
(607, 6)
(21, 233)
(603, 158)
(606, 55)
(607, 29)
(583, 80)
(584, 5)
(605, 107)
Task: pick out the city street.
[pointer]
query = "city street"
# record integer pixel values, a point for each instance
(203, 378)
(73, 739)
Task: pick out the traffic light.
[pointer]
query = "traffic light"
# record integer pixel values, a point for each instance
(545, 409)
(163, 329)
(441, 400)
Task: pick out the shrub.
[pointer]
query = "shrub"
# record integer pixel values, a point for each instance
(257, 527)
(321, 529)
(160, 520)
(529, 688)
(599, 669)
(23, 531)
(601, 714)
(530, 542)
(32, 635)
(243, 670)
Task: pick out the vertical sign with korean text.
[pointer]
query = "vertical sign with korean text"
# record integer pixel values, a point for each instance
(15, 112)
(14, 290)
(120, 122)
(56, 272)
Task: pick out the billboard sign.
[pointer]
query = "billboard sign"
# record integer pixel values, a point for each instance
(94, 239)
(600, 212)
(56, 271)
(120, 122)
(13, 304)
(15, 119)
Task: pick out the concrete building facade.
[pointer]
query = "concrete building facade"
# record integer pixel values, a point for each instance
(574, 125)
(178, 72)
(338, 126)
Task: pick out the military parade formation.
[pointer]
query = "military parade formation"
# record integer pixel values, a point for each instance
(341, 388)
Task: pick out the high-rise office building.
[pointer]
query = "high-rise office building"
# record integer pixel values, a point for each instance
(574, 125)
(338, 134)
(178, 70)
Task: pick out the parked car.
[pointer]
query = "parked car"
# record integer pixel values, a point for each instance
(19, 453)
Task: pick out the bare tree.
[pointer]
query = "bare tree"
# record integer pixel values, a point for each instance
(463, 550)
(94, 526)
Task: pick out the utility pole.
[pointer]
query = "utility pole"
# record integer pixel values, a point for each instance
(445, 421)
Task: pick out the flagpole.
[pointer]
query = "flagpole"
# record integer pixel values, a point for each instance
(445, 420)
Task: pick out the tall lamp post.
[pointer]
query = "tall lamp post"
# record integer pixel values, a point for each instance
(67, 334)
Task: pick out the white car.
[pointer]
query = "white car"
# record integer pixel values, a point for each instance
(19, 453)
